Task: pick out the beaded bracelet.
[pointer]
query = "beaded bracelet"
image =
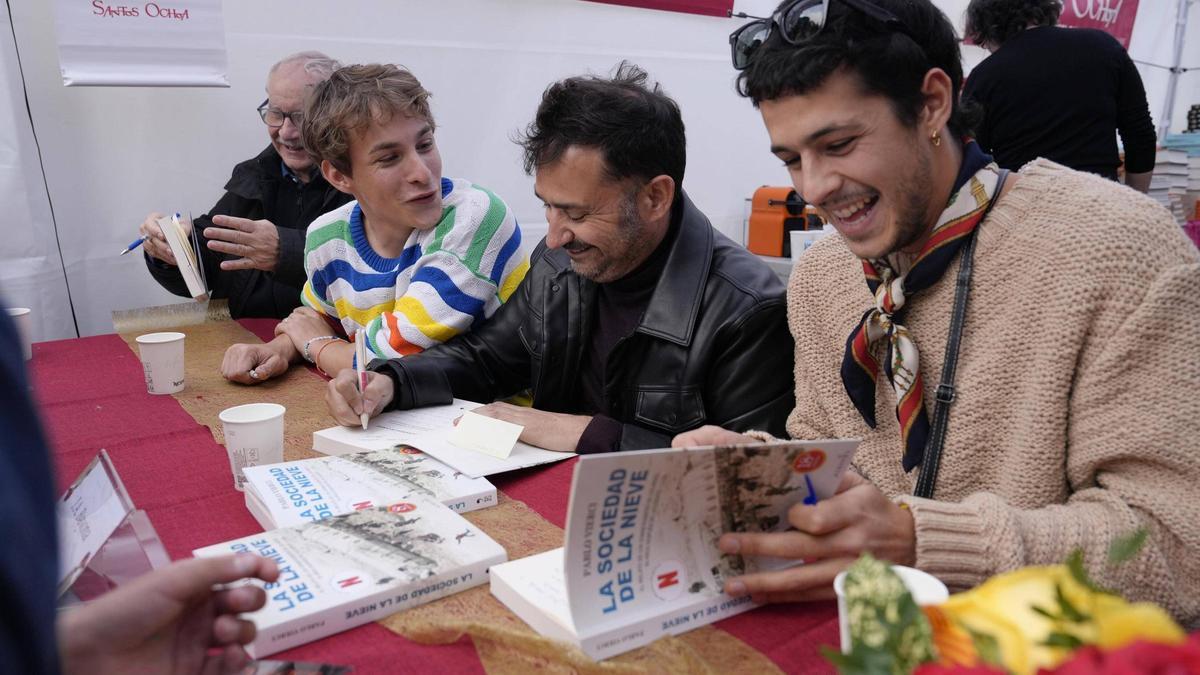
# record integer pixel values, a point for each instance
(308, 356)
(317, 358)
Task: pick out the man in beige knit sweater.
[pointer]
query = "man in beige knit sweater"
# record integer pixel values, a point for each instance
(1075, 416)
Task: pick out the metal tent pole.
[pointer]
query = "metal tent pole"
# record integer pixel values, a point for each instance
(1173, 79)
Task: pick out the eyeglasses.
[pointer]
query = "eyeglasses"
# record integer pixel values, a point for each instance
(798, 21)
(274, 117)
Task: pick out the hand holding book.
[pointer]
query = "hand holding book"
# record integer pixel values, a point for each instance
(828, 536)
(153, 240)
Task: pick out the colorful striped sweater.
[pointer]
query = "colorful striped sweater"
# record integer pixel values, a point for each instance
(446, 280)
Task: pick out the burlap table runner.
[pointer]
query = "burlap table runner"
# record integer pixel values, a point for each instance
(503, 642)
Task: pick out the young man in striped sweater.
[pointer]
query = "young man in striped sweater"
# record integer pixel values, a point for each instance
(414, 260)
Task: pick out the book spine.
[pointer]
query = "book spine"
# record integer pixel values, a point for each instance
(314, 626)
(260, 512)
(614, 641)
(328, 446)
(473, 502)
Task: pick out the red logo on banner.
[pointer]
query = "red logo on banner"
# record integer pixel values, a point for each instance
(359, 506)
(669, 579)
(1111, 16)
(808, 461)
(348, 582)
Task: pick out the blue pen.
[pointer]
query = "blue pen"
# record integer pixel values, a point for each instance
(136, 243)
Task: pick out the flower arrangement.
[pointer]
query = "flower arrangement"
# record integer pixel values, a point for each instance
(1052, 619)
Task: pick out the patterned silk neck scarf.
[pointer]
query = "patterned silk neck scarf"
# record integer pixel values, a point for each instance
(894, 280)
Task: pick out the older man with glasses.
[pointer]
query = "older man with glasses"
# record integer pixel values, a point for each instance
(252, 240)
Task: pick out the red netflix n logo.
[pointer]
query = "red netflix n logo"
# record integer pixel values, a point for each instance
(670, 580)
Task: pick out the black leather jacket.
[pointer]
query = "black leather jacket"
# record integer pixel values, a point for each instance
(712, 347)
(258, 190)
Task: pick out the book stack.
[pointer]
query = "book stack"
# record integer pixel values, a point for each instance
(1169, 184)
(347, 570)
(1193, 190)
(1188, 144)
(310, 490)
(358, 537)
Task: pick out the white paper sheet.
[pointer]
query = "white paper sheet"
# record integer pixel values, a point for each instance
(488, 435)
(429, 429)
(476, 464)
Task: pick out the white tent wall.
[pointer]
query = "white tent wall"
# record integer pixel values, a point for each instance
(110, 155)
(31, 273)
(1153, 50)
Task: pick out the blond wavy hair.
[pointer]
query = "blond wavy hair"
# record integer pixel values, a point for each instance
(351, 99)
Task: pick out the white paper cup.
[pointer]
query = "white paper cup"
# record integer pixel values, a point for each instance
(162, 361)
(924, 587)
(253, 436)
(24, 319)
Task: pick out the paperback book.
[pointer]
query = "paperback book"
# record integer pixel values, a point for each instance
(431, 429)
(308, 490)
(186, 249)
(641, 560)
(358, 567)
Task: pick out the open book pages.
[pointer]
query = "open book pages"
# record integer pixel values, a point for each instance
(641, 559)
(358, 567)
(429, 429)
(185, 248)
(308, 490)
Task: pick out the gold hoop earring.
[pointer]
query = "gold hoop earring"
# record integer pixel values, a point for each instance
(936, 138)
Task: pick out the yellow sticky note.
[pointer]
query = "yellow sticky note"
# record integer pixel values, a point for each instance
(486, 434)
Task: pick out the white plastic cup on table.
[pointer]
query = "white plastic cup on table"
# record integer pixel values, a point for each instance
(23, 317)
(925, 588)
(253, 436)
(162, 361)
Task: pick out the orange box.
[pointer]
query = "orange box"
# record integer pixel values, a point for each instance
(774, 212)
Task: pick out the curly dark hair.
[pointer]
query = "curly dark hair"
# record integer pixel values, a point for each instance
(994, 22)
(634, 124)
(886, 63)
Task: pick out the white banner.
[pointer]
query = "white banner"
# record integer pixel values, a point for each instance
(166, 43)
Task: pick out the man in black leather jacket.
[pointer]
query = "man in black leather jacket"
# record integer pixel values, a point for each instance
(253, 238)
(636, 321)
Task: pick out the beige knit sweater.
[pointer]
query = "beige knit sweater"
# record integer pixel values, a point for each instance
(1077, 416)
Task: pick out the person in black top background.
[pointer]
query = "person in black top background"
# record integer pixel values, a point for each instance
(253, 238)
(1058, 93)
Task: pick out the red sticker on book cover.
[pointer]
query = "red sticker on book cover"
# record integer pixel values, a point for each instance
(402, 507)
(808, 461)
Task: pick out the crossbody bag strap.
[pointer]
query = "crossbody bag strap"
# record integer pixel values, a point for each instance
(945, 391)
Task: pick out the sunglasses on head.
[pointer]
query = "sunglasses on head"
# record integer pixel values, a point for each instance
(797, 22)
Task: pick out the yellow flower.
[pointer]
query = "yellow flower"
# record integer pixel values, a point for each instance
(1003, 608)
(1120, 623)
